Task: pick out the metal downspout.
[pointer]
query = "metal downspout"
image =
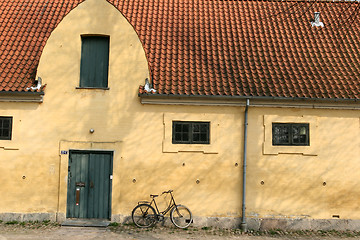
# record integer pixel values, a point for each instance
(243, 219)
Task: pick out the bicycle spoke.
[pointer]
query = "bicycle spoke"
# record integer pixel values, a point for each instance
(181, 216)
(144, 215)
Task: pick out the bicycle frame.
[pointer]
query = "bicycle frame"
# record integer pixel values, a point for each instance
(169, 207)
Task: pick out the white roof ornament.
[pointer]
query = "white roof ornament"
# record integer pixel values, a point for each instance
(316, 22)
(38, 86)
(148, 86)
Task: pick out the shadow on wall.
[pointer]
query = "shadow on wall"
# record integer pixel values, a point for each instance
(209, 184)
(299, 186)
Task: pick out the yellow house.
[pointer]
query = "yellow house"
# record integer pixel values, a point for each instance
(248, 110)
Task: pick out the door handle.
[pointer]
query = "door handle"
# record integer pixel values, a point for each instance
(77, 196)
(91, 184)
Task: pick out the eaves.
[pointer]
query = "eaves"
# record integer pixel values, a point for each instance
(35, 97)
(255, 101)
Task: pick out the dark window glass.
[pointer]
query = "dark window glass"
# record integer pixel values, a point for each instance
(94, 61)
(191, 133)
(290, 134)
(5, 128)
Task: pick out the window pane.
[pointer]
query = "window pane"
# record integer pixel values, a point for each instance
(204, 137)
(295, 134)
(178, 128)
(204, 127)
(178, 137)
(5, 132)
(6, 124)
(280, 134)
(302, 139)
(185, 137)
(303, 130)
(196, 127)
(299, 134)
(196, 137)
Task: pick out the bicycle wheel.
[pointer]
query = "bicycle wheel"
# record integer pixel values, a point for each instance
(143, 216)
(181, 216)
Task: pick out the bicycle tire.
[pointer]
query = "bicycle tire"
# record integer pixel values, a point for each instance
(144, 216)
(181, 216)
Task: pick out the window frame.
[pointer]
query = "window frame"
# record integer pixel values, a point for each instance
(9, 136)
(85, 83)
(290, 134)
(191, 132)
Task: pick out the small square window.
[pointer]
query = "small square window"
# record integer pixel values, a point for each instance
(5, 128)
(290, 134)
(191, 132)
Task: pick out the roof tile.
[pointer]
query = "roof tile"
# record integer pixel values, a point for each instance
(24, 29)
(198, 47)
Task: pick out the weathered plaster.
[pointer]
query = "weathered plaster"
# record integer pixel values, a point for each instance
(309, 187)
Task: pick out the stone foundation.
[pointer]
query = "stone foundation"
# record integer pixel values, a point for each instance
(305, 224)
(258, 224)
(25, 217)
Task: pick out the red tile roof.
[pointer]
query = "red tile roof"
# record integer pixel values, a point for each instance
(218, 47)
(25, 27)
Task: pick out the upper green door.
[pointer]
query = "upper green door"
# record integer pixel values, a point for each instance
(89, 184)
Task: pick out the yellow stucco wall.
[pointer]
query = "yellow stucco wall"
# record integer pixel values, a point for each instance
(316, 184)
(146, 162)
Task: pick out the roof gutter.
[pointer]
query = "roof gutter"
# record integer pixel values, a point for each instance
(326, 103)
(34, 97)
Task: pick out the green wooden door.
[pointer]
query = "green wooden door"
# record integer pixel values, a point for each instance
(89, 184)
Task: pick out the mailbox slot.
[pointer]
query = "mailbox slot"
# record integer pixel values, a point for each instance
(80, 184)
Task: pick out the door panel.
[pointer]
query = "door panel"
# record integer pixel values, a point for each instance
(89, 177)
(99, 183)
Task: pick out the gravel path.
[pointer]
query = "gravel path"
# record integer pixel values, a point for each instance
(81, 233)
(39, 231)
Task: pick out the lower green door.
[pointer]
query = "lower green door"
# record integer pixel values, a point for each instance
(89, 184)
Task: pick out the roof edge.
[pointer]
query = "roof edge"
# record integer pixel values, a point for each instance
(142, 95)
(255, 101)
(36, 97)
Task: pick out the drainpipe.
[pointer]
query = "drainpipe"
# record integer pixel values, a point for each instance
(243, 219)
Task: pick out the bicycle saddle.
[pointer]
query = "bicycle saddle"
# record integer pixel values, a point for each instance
(154, 195)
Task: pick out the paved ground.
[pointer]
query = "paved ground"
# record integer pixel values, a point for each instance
(97, 233)
(39, 231)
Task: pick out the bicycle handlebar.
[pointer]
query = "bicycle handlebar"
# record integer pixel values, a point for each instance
(168, 191)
